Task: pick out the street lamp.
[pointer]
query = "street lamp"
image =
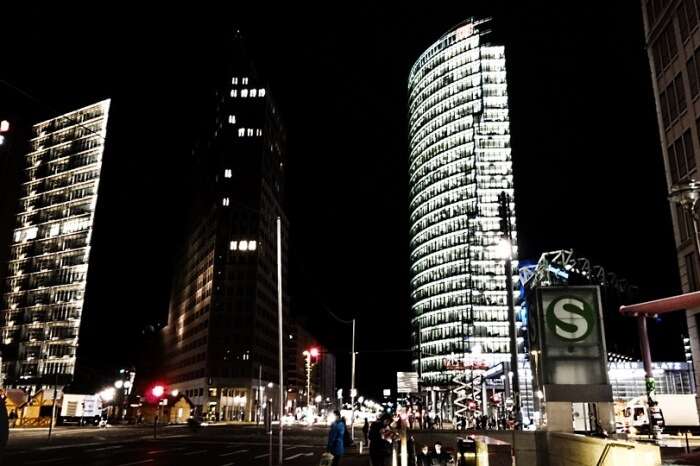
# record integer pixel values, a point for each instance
(687, 196)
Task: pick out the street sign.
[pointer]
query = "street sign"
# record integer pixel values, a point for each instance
(407, 382)
(569, 334)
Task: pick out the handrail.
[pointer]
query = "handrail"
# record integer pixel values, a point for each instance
(610, 446)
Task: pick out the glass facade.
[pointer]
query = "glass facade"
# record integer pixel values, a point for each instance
(460, 161)
(49, 256)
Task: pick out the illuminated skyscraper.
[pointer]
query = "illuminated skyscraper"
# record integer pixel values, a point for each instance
(46, 279)
(460, 161)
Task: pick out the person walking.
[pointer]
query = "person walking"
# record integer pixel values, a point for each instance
(336, 439)
(380, 441)
(439, 457)
(365, 431)
(423, 458)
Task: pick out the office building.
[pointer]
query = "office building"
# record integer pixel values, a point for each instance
(221, 337)
(48, 266)
(673, 46)
(460, 161)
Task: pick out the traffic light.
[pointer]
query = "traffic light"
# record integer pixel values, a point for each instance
(157, 391)
(314, 352)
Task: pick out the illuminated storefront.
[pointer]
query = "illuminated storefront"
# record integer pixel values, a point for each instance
(48, 266)
(460, 161)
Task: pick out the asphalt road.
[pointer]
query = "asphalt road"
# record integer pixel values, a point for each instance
(130, 445)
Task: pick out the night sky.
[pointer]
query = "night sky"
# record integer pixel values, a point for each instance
(588, 166)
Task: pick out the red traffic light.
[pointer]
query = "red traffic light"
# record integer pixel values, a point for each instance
(157, 391)
(314, 352)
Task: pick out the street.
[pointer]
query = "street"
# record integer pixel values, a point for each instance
(222, 445)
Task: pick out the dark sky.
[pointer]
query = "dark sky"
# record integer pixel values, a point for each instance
(588, 166)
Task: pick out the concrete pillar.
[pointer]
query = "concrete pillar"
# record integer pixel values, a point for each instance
(606, 416)
(559, 416)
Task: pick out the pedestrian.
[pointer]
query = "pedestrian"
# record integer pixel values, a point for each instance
(438, 422)
(439, 457)
(365, 431)
(4, 426)
(423, 458)
(336, 439)
(380, 441)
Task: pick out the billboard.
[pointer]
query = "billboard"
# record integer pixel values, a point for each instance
(406, 382)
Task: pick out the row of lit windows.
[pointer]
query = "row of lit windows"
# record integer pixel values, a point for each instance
(432, 206)
(465, 102)
(455, 300)
(449, 162)
(36, 187)
(446, 214)
(469, 67)
(440, 243)
(457, 268)
(249, 132)
(424, 105)
(48, 231)
(439, 181)
(457, 181)
(422, 128)
(248, 93)
(243, 245)
(459, 125)
(430, 72)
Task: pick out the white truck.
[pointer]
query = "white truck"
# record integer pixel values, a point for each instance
(80, 409)
(674, 411)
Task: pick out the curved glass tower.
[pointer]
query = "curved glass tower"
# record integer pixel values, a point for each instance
(460, 161)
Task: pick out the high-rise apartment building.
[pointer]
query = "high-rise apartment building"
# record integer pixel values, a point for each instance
(221, 338)
(45, 284)
(460, 161)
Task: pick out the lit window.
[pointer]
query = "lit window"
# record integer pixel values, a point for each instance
(250, 131)
(18, 236)
(233, 246)
(245, 80)
(243, 245)
(234, 80)
(2, 140)
(252, 245)
(241, 132)
(234, 93)
(258, 132)
(55, 229)
(228, 173)
(232, 119)
(225, 201)
(253, 92)
(31, 233)
(261, 92)
(244, 92)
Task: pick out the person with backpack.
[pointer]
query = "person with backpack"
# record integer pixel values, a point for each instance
(336, 439)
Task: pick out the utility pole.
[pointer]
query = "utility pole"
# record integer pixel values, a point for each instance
(258, 414)
(352, 385)
(280, 331)
(506, 228)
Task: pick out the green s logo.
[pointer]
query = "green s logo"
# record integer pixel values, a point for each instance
(570, 318)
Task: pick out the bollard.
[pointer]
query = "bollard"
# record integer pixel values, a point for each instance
(687, 443)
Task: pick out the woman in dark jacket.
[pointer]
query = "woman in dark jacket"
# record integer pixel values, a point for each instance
(336, 436)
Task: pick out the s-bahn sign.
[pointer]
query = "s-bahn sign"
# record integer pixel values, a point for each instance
(566, 331)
